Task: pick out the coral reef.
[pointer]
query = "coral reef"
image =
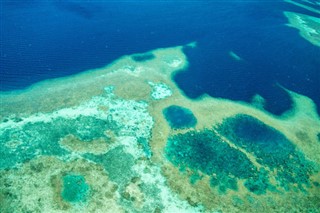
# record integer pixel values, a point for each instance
(204, 151)
(125, 139)
(270, 147)
(75, 188)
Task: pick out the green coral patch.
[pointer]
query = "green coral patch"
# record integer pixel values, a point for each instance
(206, 152)
(23, 143)
(75, 188)
(259, 184)
(271, 148)
(117, 163)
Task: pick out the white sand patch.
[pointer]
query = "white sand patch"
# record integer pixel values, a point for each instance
(159, 90)
(152, 175)
(174, 62)
(131, 69)
(130, 146)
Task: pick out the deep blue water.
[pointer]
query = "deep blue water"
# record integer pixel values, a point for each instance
(42, 40)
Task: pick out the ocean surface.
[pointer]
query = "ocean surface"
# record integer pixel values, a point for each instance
(43, 40)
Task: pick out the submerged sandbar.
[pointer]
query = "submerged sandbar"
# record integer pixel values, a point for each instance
(308, 26)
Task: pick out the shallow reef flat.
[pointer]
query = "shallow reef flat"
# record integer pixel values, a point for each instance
(124, 138)
(308, 26)
(311, 5)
